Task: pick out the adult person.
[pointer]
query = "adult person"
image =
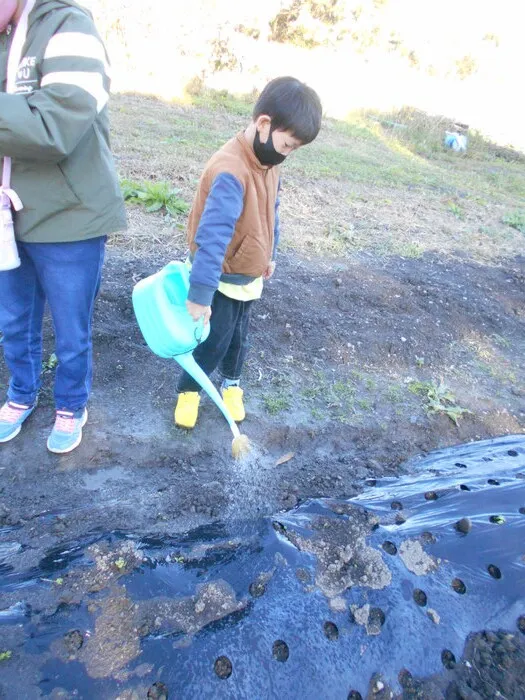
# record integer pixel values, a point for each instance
(55, 83)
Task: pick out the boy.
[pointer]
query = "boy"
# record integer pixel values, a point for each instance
(233, 231)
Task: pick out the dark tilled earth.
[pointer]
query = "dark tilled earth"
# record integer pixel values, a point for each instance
(374, 324)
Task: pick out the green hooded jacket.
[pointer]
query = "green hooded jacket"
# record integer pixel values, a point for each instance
(55, 128)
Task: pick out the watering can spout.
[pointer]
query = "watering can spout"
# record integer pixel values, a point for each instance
(188, 364)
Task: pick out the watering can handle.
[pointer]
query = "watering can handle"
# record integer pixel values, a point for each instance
(199, 330)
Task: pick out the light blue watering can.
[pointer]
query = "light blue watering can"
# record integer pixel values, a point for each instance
(159, 302)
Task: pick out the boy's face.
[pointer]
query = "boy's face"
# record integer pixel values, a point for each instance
(284, 142)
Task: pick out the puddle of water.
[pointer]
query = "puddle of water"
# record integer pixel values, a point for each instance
(97, 479)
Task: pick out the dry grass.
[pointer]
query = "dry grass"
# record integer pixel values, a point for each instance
(358, 187)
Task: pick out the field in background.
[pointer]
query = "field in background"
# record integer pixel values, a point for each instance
(364, 185)
(462, 60)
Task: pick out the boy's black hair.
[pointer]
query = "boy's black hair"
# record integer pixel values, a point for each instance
(292, 106)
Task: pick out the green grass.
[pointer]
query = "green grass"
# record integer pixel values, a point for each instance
(154, 196)
(359, 152)
(516, 219)
(395, 393)
(438, 399)
(208, 98)
(336, 400)
(276, 402)
(456, 209)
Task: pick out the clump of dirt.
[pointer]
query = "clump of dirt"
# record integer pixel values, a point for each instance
(212, 602)
(115, 641)
(110, 564)
(343, 557)
(370, 618)
(416, 559)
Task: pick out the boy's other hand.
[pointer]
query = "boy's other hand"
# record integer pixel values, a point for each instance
(198, 311)
(269, 271)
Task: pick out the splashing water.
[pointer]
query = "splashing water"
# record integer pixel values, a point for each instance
(248, 484)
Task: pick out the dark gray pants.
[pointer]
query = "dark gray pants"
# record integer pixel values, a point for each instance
(227, 344)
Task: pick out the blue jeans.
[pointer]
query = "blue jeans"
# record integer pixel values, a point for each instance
(227, 344)
(68, 276)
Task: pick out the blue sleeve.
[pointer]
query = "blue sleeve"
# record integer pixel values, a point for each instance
(277, 227)
(223, 207)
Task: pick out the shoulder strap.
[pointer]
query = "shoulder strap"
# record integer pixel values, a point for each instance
(15, 55)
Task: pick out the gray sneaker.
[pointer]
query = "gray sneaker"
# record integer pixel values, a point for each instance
(12, 415)
(67, 431)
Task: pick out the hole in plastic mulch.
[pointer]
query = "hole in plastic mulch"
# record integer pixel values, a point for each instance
(420, 597)
(389, 547)
(459, 586)
(280, 651)
(331, 631)
(355, 695)
(404, 677)
(497, 519)
(223, 667)
(494, 571)
(448, 659)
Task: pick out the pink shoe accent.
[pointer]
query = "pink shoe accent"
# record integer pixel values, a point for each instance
(10, 412)
(64, 422)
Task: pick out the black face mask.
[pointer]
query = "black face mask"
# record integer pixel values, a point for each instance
(265, 152)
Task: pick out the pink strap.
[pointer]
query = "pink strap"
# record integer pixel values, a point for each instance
(15, 55)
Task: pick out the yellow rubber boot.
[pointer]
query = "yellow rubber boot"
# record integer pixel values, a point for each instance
(187, 409)
(232, 397)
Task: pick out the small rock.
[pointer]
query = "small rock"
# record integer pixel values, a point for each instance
(303, 575)
(434, 616)
(518, 391)
(338, 604)
(338, 281)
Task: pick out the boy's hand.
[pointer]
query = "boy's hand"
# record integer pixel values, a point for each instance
(269, 271)
(198, 311)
